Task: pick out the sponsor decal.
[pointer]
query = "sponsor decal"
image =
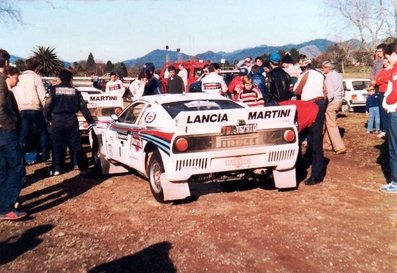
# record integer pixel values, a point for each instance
(203, 118)
(93, 98)
(65, 91)
(150, 117)
(269, 114)
(122, 136)
(136, 140)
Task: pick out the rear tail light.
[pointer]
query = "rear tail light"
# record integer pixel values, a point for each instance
(289, 136)
(354, 97)
(181, 144)
(85, 124)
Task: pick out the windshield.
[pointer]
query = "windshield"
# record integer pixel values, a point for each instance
(174, 108)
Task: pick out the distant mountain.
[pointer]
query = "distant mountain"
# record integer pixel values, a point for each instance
(13, 59)
(311, 48)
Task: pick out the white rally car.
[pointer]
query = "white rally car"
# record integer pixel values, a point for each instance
(100, 104)
(175, 139)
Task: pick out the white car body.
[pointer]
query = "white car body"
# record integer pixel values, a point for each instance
(355, 93)
(100, 104)
(222, 144)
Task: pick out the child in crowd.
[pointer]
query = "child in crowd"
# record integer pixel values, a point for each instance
(250, 94)
(372, 110)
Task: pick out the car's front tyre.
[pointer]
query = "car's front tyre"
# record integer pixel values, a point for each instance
(155, 169)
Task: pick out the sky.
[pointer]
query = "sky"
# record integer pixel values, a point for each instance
(118, 30)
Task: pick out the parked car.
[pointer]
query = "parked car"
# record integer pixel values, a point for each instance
(176, 139)
(355, 93)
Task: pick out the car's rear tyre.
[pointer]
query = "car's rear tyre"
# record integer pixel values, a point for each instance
(155, 169)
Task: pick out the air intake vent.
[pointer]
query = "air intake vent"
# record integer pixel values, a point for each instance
(281, 155)
(191, 164)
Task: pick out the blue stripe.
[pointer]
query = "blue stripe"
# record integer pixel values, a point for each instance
(159, 142)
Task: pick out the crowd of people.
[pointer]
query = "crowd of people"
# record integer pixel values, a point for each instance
(317, 94)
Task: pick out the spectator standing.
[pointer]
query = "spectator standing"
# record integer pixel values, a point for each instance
(153, 85)
(278, 82)
(381, 83)
(114, 86)
(390, 102)
(334, 83)
(11, 159)
(236, 84)
(183, 74)
(259, 63)
(30, 95)
(290, 67)
(250, 94)
(62, 104)
(95, 80)
(213, 83)
(175, 83)
(372, 110)
(377, 64)
(311, 87)
(258, 79)
(137, 87)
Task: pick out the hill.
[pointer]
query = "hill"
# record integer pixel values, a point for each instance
(311, 48)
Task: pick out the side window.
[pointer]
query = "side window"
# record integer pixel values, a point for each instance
(132, 114)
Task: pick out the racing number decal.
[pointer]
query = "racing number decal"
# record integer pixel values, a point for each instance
(136, 140)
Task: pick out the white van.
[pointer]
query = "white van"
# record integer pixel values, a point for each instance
(355, 93)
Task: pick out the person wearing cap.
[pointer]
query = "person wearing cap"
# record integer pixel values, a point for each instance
(311, 87)
(278, 82)
(213, 83)
(334, 83)
(154, 85)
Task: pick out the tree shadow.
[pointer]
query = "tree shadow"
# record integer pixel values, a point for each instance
(57, 194)
(153, 259)
(15, 246)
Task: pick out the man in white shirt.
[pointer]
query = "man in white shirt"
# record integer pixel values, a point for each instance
(114, 86)
(213, 83)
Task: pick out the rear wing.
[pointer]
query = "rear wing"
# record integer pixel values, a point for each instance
(212, 121)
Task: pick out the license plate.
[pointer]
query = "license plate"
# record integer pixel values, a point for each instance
(236, 141)
(239, 129)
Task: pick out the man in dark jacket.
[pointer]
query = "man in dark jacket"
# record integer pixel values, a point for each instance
(278, 82)
(175, 83)
(11, 161)
(60, 109)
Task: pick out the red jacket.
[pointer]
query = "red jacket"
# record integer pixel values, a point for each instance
(382, 79)
(392, 98)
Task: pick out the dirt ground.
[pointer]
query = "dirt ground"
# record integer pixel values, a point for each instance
(113, 224)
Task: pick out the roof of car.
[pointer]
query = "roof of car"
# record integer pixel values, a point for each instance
(164, 98)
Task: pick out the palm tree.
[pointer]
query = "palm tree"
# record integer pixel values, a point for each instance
(49, 61)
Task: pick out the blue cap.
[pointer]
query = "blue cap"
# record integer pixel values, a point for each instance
(275, 58)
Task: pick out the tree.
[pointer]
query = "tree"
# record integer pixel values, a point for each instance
(120, 69)
(109, 67)
(49, 61)
(372, 19)
(91, 65)
(8, 12)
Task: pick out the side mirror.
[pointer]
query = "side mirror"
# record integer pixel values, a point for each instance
(114, 117)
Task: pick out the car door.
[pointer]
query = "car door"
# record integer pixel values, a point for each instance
(124, 131)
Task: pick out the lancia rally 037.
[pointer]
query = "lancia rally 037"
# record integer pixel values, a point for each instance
(176, 139)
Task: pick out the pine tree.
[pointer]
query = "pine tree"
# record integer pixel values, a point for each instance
(109, 67)
(91, 65)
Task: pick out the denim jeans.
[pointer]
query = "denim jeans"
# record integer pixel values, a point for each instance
(11, 169)
(373, 116)
(29, 117)
(392, 141)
